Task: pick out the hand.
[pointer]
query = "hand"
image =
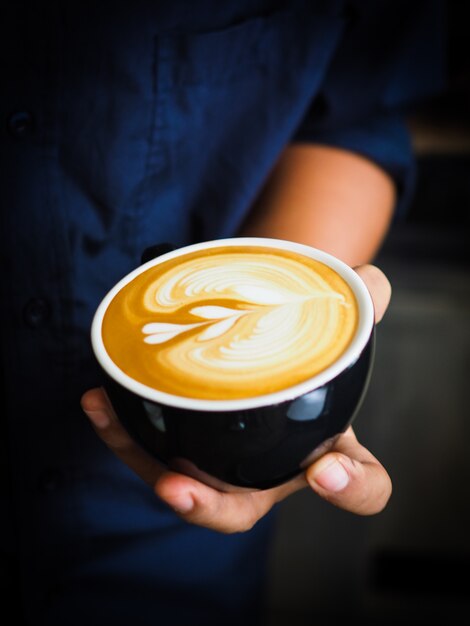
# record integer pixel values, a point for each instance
(348, 476)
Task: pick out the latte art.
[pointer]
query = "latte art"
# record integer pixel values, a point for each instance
(230, 322)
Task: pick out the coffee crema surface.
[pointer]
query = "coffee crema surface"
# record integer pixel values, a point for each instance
(230, 322)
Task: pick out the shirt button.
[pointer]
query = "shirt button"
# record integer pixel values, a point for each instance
(21, 124)
(50, 480)
(36, 312)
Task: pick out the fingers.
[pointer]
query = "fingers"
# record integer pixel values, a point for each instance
(201, 505)
(224, 512)
(194, 501)
(351, 478)
(96, 405)
(379, 288)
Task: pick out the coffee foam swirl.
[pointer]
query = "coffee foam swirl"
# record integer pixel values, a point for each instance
(230, 323)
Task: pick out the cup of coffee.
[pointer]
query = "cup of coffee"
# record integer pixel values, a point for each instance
(237, 361)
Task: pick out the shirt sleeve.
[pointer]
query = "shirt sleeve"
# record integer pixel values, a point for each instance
(391, 58)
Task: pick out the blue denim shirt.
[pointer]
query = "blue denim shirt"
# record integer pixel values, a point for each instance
(128, 124)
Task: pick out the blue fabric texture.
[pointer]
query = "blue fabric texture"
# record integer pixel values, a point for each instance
(129, 124)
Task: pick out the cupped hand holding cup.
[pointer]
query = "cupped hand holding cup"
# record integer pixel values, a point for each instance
(232, 366)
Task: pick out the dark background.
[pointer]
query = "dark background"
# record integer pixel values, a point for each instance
(411, 563)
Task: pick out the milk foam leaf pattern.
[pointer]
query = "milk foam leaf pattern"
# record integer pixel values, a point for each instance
(229, 323)
(256, 293)
(227, 318)
(213, 312)
(221, 319)
(219, 329)
(160, 332)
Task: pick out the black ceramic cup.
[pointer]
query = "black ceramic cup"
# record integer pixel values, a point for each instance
(251, 443)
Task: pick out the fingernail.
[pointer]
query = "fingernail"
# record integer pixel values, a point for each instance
(330, 475)
(99, 418)
(184, 504)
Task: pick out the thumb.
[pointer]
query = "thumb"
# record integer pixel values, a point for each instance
(351, 478)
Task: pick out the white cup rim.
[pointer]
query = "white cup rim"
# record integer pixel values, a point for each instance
(351, 354)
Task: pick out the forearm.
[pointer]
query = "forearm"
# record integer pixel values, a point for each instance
(328, 198)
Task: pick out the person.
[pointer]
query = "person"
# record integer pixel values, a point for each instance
(150, 122)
